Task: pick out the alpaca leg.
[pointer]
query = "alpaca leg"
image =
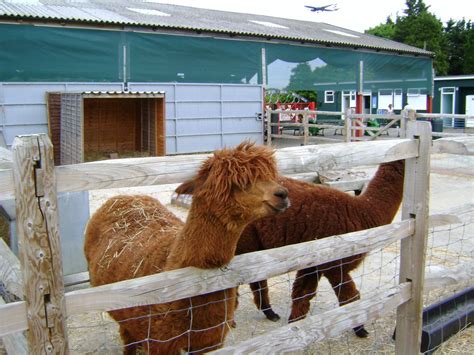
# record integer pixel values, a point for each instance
(261, 299)
(128, 342)
(160, 349)
(346, 292)
(304, 289)
(232, 323)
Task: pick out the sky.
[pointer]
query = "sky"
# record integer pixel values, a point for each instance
(357, 15)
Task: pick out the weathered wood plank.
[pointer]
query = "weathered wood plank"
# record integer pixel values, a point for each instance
(76, 279)
(375, 116)
(174, 169)
(38, 236)
(309, 112)
(242, 269)
(347, 185)
(436, 220)
(14, 343)
(5, 158)
(451, 134)
(10, 271)
(443, 115)
(386, 127)
(286, 136)
(454, 145)
(347, 125)
(10, 275)
(5, 154)
(449, 277)
(413, 250)
(298, 335)
(13, 316)
(294, 160)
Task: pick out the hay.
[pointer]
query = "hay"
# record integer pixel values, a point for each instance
(134, 227)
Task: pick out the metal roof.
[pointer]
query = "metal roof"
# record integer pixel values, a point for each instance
(172, 17)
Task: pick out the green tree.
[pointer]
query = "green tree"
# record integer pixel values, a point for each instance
(456, 39)
(385, 30)
(459, 37)
(420, 28)
(468, 64)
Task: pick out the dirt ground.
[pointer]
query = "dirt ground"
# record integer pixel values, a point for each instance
(452, 184)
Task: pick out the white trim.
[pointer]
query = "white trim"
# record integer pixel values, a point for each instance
(327, 94)
(454, 77)
(447, 122)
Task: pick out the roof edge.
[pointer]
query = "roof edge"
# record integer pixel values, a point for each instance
(198, 31)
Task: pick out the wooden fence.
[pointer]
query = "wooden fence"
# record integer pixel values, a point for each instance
(348, 124)
(34, 182)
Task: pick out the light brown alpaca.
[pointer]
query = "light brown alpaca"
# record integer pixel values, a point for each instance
(133, 236)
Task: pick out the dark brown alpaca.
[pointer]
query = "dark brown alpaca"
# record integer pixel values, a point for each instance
(317, 212)
(133, 236)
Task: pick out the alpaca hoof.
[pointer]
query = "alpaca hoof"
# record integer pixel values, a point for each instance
(361, 332)
(271, 315)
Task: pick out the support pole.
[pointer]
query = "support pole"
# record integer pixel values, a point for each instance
(268, 120)
(40, 252)
(359, 109)
(429, 104)
(413, 249)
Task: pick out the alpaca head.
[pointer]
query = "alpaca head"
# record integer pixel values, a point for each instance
(238, 185)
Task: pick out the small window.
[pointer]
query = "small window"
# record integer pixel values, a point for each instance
(329, 97)
(385, 98)
(447, 90)
(417, 98)
(397, 99)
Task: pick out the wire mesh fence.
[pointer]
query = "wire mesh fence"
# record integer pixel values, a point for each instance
(448, 246)
(98, 333)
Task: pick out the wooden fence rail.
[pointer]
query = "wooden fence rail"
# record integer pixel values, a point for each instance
(35, 180)
(352, 122)
(295, 336)
(168, 170)
(243, 269)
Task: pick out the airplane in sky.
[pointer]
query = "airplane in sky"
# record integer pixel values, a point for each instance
(330, 7)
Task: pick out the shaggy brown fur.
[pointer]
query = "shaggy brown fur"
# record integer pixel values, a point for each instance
(317, 212)
(133, 236)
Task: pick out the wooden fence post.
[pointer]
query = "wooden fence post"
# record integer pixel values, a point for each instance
(348, 125)
(408, 114)
(413, 249)
(305, 128)
(268, 120)
(39, 248)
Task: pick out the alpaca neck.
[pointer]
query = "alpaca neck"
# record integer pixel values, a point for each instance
(204, 242)
(385, 190)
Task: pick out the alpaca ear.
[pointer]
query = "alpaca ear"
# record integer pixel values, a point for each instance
(186, 188)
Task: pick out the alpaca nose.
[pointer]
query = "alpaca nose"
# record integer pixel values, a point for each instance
(281, 193)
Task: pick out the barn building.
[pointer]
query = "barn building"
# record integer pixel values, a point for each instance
(130, 76)
(454, 94)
